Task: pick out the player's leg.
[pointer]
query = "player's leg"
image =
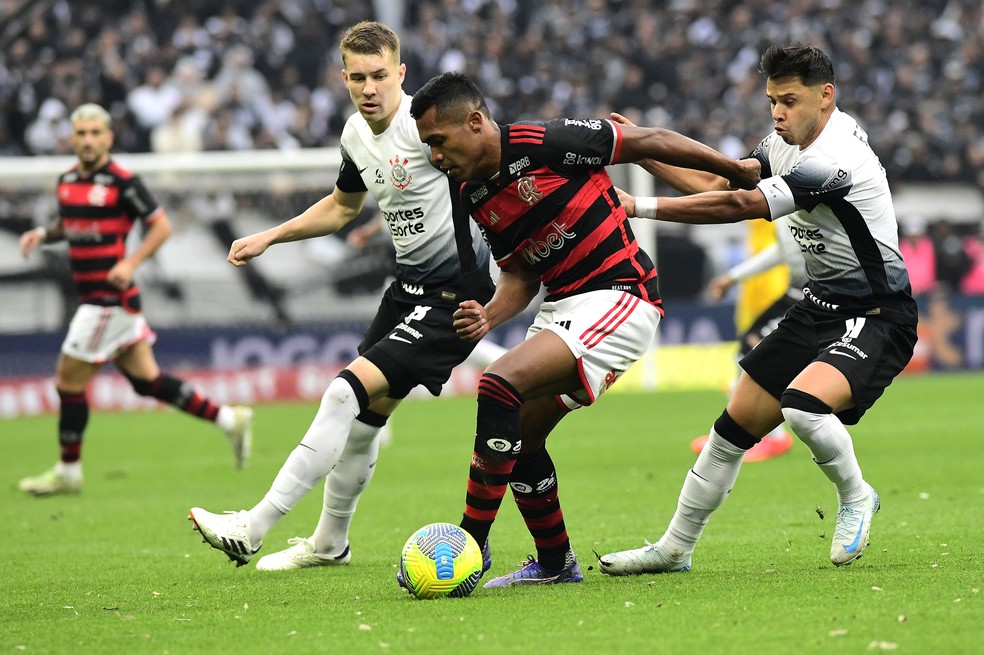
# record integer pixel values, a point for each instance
(140, 367)
(534, 483)
(751, 410)
(329, 545)
(240, 534)
(72, 376)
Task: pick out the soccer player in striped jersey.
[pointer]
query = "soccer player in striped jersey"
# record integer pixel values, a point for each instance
(835, 351)
(440, 259)
(540, 193)
(99, 202)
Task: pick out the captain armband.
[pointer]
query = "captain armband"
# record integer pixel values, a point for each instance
(645, 207)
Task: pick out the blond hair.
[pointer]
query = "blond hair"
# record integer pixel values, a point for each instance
(370, 38)
(91, 111)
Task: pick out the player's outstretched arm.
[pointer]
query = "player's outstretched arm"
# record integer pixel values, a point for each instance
(324, 217)
(669, 147)
(684, 180)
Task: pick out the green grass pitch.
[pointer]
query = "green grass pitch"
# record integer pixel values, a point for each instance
(119, 570)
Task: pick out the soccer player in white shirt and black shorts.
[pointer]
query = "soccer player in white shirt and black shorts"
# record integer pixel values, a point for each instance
(836, 351)
(441, 259)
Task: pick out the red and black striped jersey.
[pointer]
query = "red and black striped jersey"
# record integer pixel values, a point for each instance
(97, 214)
(553, 204)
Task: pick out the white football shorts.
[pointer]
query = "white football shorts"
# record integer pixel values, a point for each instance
(100, 334)
(607, 331)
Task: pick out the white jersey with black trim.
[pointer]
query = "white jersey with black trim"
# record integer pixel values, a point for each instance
(836, 199)
(413, 196)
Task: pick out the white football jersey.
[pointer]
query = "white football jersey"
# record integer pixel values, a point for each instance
(838, 205)
(413, 195)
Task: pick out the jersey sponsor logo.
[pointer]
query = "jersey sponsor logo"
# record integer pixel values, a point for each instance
(478, 194)
(493, 218)
(380, 179)
(591, 124)
(536, 249)
(412, 289)
(404, 222)
(517, 166)
(400, 176)
(610, 378)
(80, 231)
(574, 159)
(405, 330)
(527, 190)
(801, 233)
(832, 181)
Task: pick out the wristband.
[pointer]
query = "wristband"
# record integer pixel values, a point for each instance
(42, 232)
(646, 207)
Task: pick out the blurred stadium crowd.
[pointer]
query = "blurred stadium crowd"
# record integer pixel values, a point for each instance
(188, 75)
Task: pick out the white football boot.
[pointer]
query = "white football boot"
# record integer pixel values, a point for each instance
(853, 527)
(301, 555)
(648, 559)
(228, 532)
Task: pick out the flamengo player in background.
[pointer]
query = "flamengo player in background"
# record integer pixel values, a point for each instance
(98, 203)
(440, 259)
(834, 353)
(549, 211)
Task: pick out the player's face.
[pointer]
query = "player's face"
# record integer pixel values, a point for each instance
(457, 147)
(797, 109)
(91, 140)
(375, 84)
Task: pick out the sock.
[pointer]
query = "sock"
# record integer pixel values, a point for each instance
(828, 440)
(705, 488)
(534, 486)
(178, 393)
(225, 418)
(72, 418)
(497, 444)
(316, 455)
(776, 432)
(346, 482)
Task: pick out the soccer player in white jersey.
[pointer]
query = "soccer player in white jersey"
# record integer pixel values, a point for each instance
(836, 351)
(441, 259)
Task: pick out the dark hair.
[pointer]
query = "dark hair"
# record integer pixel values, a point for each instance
(370, 38)
(811, 65)
(453, 95)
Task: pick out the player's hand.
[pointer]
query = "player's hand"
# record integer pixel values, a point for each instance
(470, 321)
(30, 240)
(719, 286)
(620, 119)
(121, 275)
(751, 173)
(245, 249)
(628, 202)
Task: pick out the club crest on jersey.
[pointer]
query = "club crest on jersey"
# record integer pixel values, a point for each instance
(527, 190)
(400, 176)
(97, 195)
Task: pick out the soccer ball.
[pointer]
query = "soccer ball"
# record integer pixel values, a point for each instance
(440, 560)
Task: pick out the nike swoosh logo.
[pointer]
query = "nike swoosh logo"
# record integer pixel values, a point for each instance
(841, 352)
(396, 338)
(853, 546)
(363, 170)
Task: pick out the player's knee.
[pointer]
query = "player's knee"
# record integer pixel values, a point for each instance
(728, 428)
(346, 388)
(803, 411)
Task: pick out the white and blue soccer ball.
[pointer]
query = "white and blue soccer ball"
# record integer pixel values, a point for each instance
(440, 560)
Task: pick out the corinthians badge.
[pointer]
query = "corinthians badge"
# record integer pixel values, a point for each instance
(400, 176)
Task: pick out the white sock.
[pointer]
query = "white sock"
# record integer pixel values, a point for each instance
(776, 432)
(832, 449)
(705, 488)
(311, 460)
(344, 485)
(484, 353)
(71, 471)
(226, 418)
